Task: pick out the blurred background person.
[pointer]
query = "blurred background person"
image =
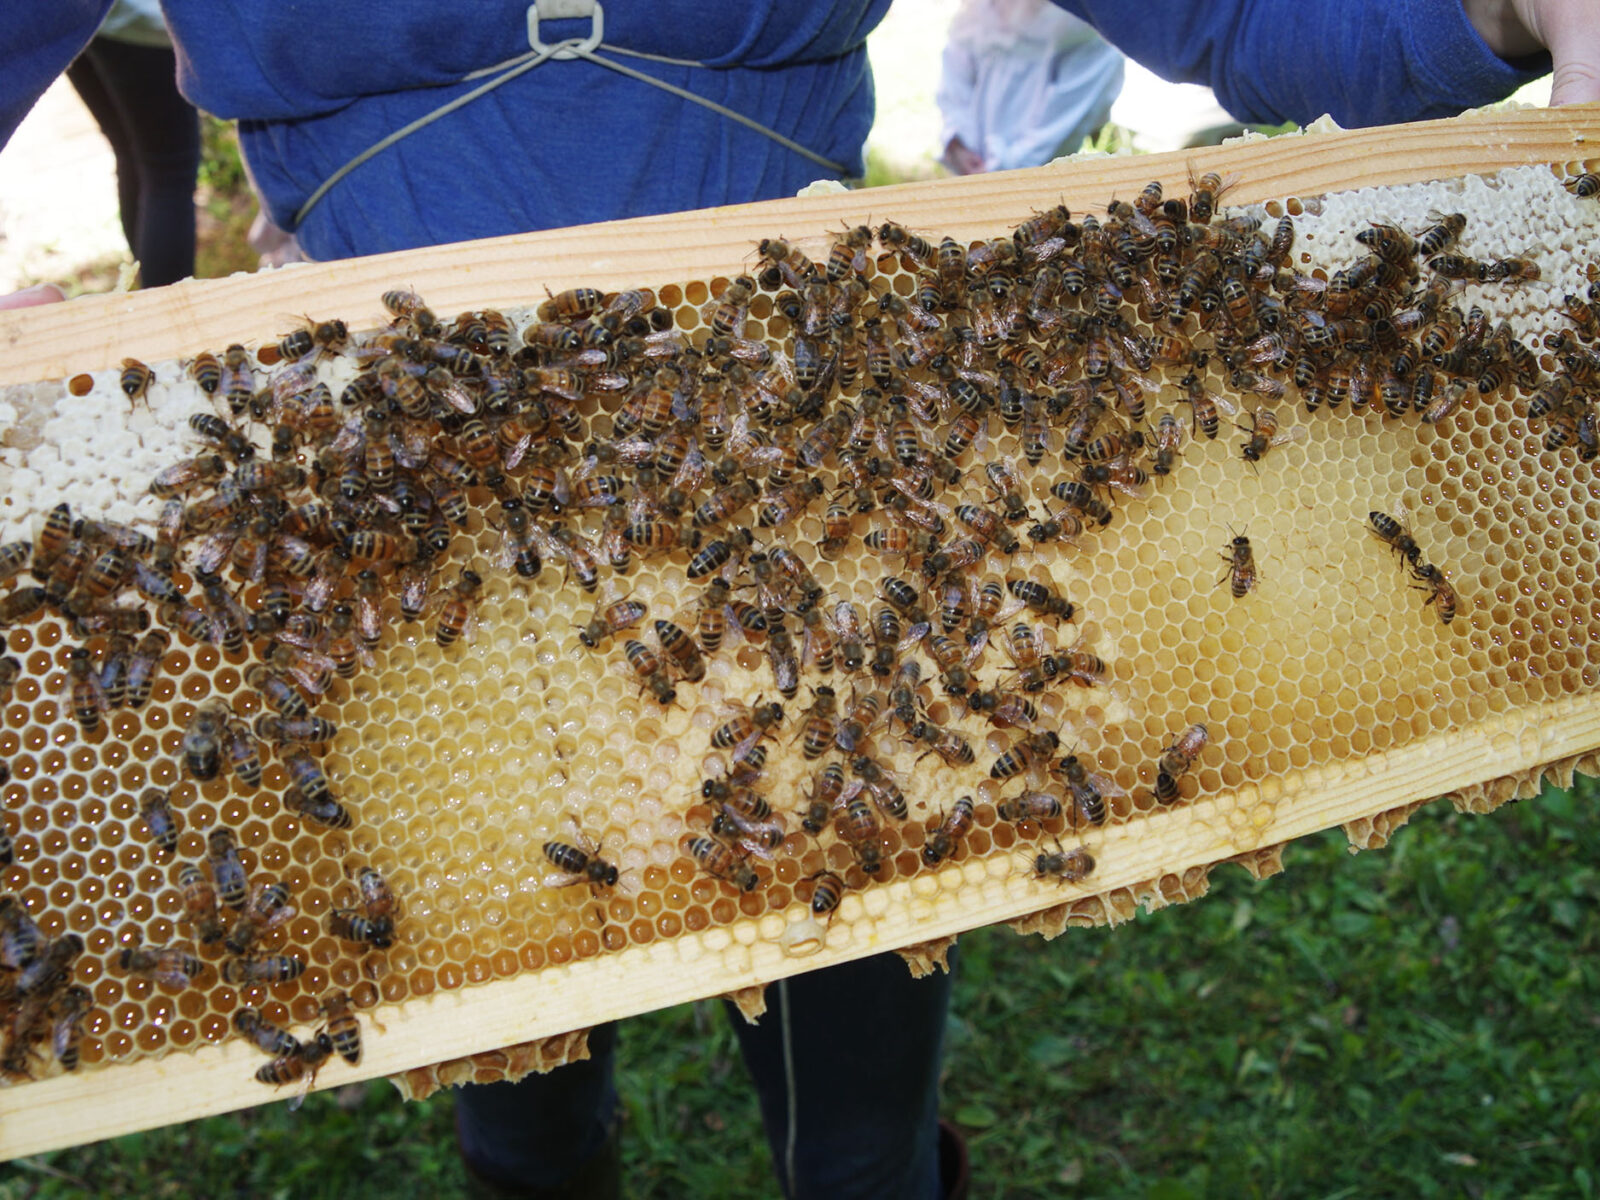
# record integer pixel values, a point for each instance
(1023, 82)
(127, 77)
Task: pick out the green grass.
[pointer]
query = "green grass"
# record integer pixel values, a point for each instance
(1422, 1021)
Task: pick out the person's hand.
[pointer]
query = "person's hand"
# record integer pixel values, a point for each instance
(1567, 28)
(39, 293)
(962, 158)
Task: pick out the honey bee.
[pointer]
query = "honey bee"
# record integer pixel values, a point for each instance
(1204, 405)
(647, 667)
(1440, 594)
(456, 617)
(21, 942)
(723, 504)
(613, 618)
(223, 436)
(858, 827)
(748, 726)
(898, 239)
(278, 693)
(1584, 185)
(1181, 754)
(903, 701)
(1006, 490)
(827, 890)
(827, 786)
(203, 739)
(718, 861)
(135, 379)
(1511, 270)
(274, 728)
(188, 474)
(851, 732)
(243, 753)
(1033, 749)
(817, 731)
(570, 545)
(1064, 866)
(1026, 656)
(306, 774)
(200, 904)
(271, 968)
(22, 604)
(1080, 497)
(786, 264)
(342, 1028)
(303, 1063)
(1168, 443)
(10, 672)
(784, 506)
(1264, 434)
(946, 743)
(87, 699)
(1089, 790)
(943, 840)
(159, 820)
(580, 865)
(42, 975)
(681, 651)
(948, 657)
(1029, 806)
(408, 307)
(14, 559)
(67, 1012)
(782, 658)
(268, 908)
(574, 304)
(748, 822)
(229, 620)
(270, 1039)
(351, 926)
(881, 785)
(1393, 533)
(1241, 572)
(165, 964)
(1041, 598)
(227, 872)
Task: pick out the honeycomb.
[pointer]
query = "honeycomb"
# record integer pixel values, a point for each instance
(458, 763)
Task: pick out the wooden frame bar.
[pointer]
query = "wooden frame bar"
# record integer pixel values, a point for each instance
(52, 342)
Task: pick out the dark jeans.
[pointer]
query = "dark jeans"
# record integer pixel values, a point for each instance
(132, 92)
(846, 1067)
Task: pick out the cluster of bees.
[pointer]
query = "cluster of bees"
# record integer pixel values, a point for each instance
(601, 433)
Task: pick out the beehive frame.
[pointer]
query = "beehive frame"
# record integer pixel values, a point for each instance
(1164, 856)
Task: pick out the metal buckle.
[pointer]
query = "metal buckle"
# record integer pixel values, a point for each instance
(566, 10)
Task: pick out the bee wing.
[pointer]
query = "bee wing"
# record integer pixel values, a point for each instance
(691, 474)
(814, 644)
(1223, 403)
(1295, 433)
(172, 976)
(458, 398)
(977, 641)
(564, 880)
(748, 846)
(913, 636)
(1140, 491)
(1106, 785)
(1008, 609)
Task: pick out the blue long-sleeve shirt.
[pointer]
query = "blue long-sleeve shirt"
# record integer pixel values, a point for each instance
(315, 82)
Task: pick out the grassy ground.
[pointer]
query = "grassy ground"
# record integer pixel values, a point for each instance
(1419, 1022)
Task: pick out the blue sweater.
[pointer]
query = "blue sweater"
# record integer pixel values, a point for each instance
(314, 82)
